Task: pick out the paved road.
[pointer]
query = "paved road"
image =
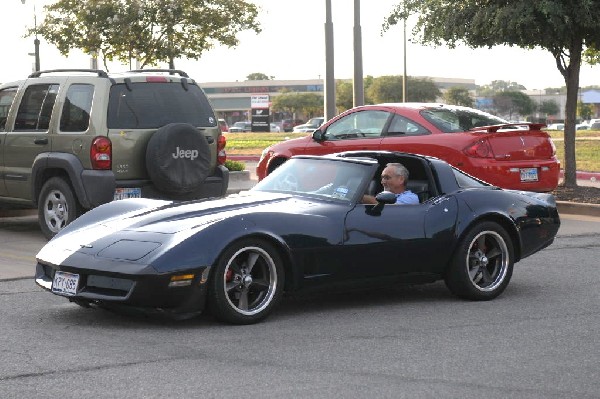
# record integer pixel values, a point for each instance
(538, 340)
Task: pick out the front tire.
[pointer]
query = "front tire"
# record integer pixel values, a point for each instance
(482, 265)
(57, 206)
(247, 282)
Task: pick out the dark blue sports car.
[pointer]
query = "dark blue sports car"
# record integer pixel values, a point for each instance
(304, 226)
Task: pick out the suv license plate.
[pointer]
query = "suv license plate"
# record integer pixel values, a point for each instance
(65, 283)
(124, 193)
(529, 174)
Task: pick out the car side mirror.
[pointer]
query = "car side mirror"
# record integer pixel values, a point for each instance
(386, 197)
(318, 135)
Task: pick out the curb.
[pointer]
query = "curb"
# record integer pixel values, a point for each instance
(591, 176)
(577, 208)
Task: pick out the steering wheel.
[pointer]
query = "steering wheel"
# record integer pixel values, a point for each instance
(289, 182)
(356, 132)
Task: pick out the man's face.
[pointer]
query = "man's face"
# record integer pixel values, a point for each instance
(391, 181)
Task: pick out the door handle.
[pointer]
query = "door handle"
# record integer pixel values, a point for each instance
(41, 141)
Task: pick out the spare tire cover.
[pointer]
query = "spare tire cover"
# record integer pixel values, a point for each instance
(177, 158)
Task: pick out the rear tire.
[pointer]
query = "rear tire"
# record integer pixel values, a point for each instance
(482, 264)
(57, 206)
(247, 282)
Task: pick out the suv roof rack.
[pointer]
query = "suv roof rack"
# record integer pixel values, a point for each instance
(100, 72)
(171, 71)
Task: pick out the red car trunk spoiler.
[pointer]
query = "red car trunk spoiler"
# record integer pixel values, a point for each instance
(495, 128)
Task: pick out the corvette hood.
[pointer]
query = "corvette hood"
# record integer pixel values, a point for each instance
(162, 222)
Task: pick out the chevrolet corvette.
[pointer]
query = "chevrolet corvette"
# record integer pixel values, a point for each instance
(302, 227)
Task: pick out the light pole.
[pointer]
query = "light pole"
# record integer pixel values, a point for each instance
(358, 86)
(404, 74)
(36, 41)
(330, 109)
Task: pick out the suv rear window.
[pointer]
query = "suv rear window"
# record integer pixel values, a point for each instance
(152, 105)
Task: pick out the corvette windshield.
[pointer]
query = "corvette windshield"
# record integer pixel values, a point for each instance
(334, 179)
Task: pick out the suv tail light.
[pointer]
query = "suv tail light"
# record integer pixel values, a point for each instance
(101, 153)
(480, 149)
(221, 155)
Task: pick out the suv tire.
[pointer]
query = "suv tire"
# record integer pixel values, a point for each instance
(178, 158)
(57, 206)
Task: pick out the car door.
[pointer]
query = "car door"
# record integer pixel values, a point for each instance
(28, 136)
(400, 239)
(361, 130)
(7, 96)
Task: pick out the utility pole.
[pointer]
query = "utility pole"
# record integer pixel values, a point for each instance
(36, 41)
(358, 85)
(404, 74)
(329, 106)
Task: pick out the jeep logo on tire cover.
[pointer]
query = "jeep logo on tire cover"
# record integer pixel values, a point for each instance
(180, 153)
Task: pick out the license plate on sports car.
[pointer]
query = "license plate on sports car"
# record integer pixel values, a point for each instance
(124, 193)
(529, 174)
(65, 283)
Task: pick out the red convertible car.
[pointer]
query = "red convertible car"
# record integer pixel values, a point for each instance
(514, 156)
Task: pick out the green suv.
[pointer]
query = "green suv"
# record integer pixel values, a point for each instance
(73, 139)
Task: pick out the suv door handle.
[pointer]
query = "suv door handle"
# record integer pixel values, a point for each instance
(41, 141)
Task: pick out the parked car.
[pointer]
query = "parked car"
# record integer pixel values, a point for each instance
(556, 126)
(223, 125)
(73, 139)
(274, 127)
(288, 124)
(242, 126)
(479, 143)
(301, 228)
(310, 126)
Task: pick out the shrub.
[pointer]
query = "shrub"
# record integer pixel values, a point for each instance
(235, 166)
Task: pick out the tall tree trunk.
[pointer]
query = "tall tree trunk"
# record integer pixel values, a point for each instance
(571, 76)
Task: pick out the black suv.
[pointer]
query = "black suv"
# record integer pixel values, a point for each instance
(73, 139)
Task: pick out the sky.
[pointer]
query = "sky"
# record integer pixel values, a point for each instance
(291, 46)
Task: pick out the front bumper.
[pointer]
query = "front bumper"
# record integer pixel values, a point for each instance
(149, 293)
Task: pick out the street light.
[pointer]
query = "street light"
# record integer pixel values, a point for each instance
(36, 41)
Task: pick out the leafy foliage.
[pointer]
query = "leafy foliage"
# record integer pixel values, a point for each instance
(585, 111)
(259, 76)
(150, 31)
(513, 102)
(310, 104)
(458, 96)
(389, 89)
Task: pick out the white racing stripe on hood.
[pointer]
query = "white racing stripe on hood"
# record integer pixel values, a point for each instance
(60, 248)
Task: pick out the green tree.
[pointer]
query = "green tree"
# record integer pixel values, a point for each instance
(458, 96)
(563, 27)
(497, 86)
(310, 104)
(259, 76)
(549, 107)
(150, 31)
(585, 111)
(388, 89)
(344, 95)
(513, 103)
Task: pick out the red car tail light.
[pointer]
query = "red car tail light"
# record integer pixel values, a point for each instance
(480, 149)
(221, 154)
(101, 153)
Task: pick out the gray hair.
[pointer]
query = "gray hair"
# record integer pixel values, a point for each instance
(399, 169)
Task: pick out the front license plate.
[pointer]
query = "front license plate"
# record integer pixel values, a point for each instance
(65, 283)
(529, 174)
(124, 193)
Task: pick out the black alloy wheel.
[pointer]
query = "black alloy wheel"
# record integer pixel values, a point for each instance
(482, 265)
(247, 282)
